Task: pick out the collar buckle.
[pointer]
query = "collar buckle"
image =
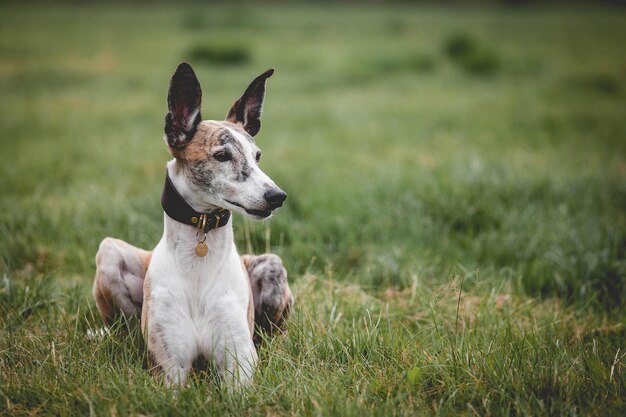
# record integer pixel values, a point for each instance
(202, 221)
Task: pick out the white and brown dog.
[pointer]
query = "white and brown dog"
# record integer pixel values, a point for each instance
(198, 299)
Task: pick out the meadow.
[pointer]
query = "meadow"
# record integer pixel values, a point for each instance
(455, 231)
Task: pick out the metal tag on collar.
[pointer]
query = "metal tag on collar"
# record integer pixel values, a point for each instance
(202, 248)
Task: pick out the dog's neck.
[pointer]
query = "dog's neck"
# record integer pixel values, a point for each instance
(182, 238)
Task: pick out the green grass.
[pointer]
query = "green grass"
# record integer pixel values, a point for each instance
(410, 174)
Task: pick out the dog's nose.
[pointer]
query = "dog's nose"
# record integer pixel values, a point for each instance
(275, 197)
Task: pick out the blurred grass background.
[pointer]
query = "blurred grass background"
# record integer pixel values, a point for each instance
(419, 146)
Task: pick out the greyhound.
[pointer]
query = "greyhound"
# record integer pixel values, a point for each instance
(197, 298)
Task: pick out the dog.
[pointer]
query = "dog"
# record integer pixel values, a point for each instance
(196, 297)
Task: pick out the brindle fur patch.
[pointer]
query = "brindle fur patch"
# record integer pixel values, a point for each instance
(271, 293)
(120, 270)
(197, 160)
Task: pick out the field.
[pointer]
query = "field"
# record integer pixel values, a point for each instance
(455, 231)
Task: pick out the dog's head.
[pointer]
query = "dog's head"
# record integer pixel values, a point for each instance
(219, 159)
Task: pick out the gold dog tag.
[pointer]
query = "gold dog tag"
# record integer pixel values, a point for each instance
(201, 249)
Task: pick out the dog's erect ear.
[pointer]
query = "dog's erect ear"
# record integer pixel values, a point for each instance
(247, 110)
(183, 102)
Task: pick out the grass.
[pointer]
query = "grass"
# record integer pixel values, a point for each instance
(456, 241)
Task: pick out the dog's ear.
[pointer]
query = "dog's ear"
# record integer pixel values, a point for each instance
(247, 110)
(183, 102)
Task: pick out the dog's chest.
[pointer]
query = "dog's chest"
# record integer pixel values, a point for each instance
(201, 289)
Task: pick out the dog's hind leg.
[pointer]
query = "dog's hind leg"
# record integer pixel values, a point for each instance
(270, 290)
(118, 286)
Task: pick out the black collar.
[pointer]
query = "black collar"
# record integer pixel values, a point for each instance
(178, 209)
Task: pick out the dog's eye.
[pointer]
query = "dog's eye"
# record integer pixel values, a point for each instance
(222, 156)
(258, 156)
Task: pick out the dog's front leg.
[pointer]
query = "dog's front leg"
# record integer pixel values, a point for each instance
(237, 369)
(170, 337)
(236, 356)
(176, 376)
(171, 352)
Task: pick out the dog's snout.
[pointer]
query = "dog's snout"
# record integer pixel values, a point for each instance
(275, 197)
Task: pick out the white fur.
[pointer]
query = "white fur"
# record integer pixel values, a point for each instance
(198, 305)
(251, 191)
(191, 119)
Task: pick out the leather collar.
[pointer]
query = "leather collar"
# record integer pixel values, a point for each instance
(178, 209)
